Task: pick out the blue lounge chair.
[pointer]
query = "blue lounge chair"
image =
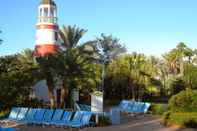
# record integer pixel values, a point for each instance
(82, 107)
(13, 114)
(140, 107)
(123, 106)
(29, 116)
(38, 116)
(85, 121)
(56, 117)
(135, 108)
(77, 116)
(22, 114)
(47, 116)
(76, 119)
(146, 107)
(65, 119)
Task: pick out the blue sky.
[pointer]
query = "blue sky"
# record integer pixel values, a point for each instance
(146, 26)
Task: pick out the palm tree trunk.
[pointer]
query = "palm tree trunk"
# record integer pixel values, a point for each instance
(64, 93)
(58, 97)
(51, 96)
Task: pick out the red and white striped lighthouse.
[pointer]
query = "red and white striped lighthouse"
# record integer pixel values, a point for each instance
(47, 41)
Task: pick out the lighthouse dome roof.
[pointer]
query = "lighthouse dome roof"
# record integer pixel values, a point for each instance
(48, 2)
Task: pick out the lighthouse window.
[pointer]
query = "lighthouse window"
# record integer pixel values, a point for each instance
(56, 36)
(52, 12)
(41, 12)
(45, 12)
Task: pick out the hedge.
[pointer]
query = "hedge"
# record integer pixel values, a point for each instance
(184, 119)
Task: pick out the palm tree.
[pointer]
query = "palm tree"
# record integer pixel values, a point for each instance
(137, 72)
(175, 58)
(48, 68)
(70, 37)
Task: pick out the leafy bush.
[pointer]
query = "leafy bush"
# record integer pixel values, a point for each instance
(185, 101)
(184, 119)
(158, 109)
(176, 85)
(4, 113)
(166, 117)
(191, 123)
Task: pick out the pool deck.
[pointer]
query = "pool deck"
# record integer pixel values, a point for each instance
(146, 123)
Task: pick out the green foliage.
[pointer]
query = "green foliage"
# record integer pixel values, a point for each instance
(4, 113)
(16, 79)
(183, 118)
(158, 109)
(177, 85)
(78, 72)
(70, 36)
(185, 101)
(130, 76)
(166, 117)
(192, 123)
(190, 74)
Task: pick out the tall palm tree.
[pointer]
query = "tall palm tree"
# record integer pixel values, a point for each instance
(48, 68)
(70, 37)
(175, 58)
(137, 72)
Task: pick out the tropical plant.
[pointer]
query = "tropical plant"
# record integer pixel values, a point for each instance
(77, 69)
(70, 36)
(48, 67)
(108, 48)
(17, 78)
(175, 58)
(190, 74)
(185, 101)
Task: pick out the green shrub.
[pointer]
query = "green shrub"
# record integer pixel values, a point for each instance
(4, 114)
(191, 123)
(184, 119)
(185, 101)
(166, 117)
(158, 109)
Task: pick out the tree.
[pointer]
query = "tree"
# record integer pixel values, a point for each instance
(48, 67)
(17, 77)
(70, 36)
(130, 76)
(108, 48)
(76, 64)
(175, 58)
(163, 73)
(189, 77)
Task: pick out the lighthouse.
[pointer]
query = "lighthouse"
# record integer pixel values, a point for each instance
(47, 40)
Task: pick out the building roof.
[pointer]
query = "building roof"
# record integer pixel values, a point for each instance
(49, 2)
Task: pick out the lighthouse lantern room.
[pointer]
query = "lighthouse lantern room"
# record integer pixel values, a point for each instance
(47, 29)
